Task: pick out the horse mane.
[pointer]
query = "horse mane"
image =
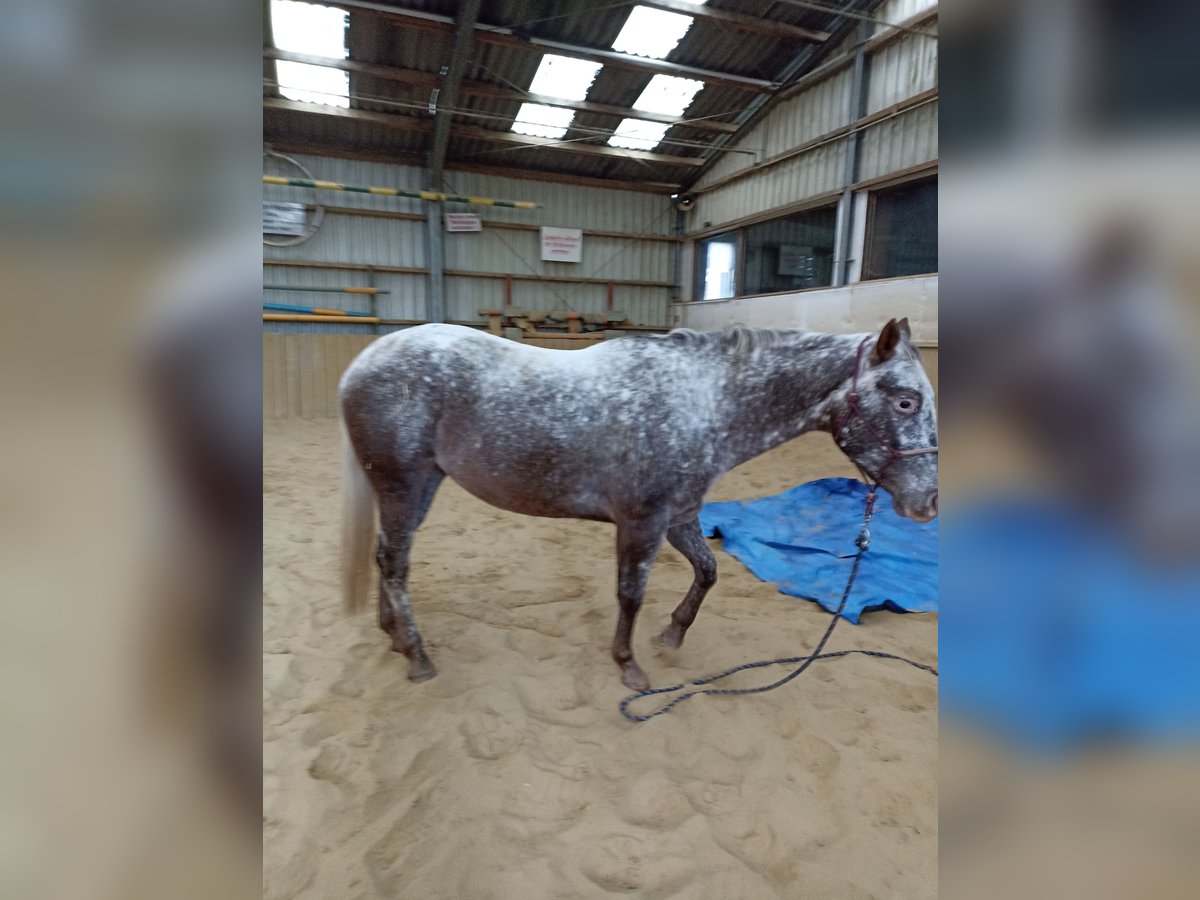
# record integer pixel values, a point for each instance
(735, 338)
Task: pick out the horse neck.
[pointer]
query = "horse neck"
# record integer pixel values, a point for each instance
(780, 392)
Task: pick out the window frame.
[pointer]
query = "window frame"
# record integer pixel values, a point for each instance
(740, 229)
(869, 234)
(699, 258)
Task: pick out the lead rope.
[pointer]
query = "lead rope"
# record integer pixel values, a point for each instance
(862, 542)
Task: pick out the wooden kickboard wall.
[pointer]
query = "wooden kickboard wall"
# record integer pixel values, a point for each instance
(301, 372)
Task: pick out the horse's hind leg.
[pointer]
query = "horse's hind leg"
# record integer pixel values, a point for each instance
(688, 539)
(402, 507)
(637, 545)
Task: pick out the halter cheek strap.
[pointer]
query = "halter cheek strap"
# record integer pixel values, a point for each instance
(854, 411)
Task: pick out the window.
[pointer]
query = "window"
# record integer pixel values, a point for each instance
(902, 231)
(790, 254)
(716, 267)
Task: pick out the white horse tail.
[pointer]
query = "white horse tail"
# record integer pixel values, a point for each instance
(358, 527)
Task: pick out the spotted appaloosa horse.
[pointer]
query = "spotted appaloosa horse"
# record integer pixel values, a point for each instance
(633, 431)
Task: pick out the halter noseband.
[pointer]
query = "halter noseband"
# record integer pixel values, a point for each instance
(853, 410)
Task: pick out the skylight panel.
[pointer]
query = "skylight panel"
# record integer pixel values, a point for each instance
(313, 84)
(638, 134)
(317, 31)
(651, 32)
(309, 28)
(668, 95)
(543, 121)
(564, 77)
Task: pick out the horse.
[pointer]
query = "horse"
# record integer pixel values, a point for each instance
(632, 431)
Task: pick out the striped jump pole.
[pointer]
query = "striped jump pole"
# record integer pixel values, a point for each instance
(314, 310)
(303, 317)
(433, 196)
(325, 290)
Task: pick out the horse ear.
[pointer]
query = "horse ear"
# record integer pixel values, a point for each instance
(885, 347)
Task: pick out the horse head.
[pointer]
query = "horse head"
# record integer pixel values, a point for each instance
(886, 421)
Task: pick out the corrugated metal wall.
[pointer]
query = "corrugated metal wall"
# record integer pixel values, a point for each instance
(897, 71)
(790, 124)
(906, 140)
(897, 11)
(902, 70)
(399, 243)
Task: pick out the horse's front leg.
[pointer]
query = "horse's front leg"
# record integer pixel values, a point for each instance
(637, 545)
(688, 539)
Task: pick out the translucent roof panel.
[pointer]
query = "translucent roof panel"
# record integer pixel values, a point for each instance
(543, 121)
(638, 134)
(317, 31)
(309, 28)
(668, 95)
(564, 77)
(651, 32)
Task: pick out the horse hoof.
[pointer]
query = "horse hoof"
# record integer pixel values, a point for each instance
(417, 674)
(671, 638)
(635, 680)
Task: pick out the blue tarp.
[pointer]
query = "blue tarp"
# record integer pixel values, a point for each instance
(803, 541)
(1053, 631)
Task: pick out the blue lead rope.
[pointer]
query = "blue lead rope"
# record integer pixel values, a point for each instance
(862, 542)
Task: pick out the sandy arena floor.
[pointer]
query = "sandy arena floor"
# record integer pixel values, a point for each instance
(513, 775)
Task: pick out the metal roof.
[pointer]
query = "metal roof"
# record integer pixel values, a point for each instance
(400, 50)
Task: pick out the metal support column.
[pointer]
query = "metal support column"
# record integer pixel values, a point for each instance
(435, 299)
(859, 89)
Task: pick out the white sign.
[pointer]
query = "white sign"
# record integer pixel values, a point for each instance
(796, 260)
(463, 222)
(562, 244)
(285, 218)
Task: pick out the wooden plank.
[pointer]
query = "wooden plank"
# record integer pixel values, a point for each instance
(307, 377)
(292, 375)
(283, 391)
(455, 273)
(326, 366)
(268, 376)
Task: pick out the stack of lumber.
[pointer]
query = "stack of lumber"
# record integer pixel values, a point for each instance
(518, 324)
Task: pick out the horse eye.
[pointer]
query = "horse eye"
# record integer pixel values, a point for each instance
(905, 404)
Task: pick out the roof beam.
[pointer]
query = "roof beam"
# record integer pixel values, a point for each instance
(738, 20)
(447, 95)
(624, 60)
(469, 88)
(411, 123)
(506, 37)
(389, 73)
(347, 152)
(479, 89)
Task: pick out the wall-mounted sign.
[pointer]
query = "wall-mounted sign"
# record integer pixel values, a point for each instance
(562, 244)
(285, 218)
(463, 222)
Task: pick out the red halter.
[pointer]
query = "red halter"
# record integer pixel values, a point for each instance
(853, 410)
